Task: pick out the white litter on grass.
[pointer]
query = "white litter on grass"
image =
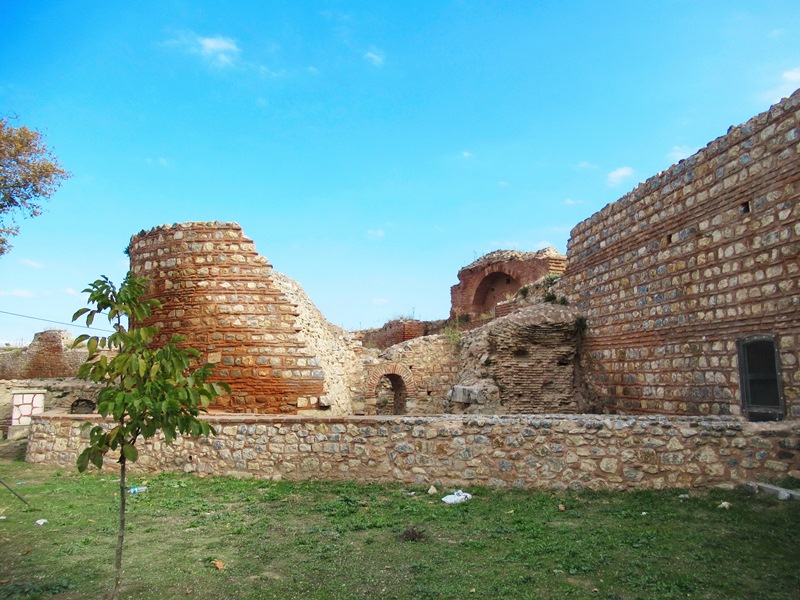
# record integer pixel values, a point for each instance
(457, 498)
(41, 521)
(725, 505)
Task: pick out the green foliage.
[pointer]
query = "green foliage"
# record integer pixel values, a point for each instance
(550, 298)
(580, 324)
(146, 388)
(29, 173)
(524, 291)
(453, 333)
(550, 280)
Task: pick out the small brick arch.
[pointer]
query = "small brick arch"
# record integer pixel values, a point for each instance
(378, 371)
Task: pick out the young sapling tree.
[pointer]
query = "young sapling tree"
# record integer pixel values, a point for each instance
(146, 388)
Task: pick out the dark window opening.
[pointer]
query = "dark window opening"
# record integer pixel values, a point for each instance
(744, 208)
(760, 376)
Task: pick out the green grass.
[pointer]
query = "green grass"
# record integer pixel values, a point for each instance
(352, 540)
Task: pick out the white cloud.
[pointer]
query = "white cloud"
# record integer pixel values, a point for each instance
(572, 202)
(18, 293)
(32, 263)
(679, 153)
(790, 81)
(586, 165)
(218, 51)
(375, 233)
(375, 57)
(221, 51)
(617, 176)
(71, 292)
(542, 244)
(467, 155)
(160, 161)
(380, 301)
(502, 183)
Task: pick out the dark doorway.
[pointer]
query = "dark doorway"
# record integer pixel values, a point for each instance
(760, 376)
(391, 395)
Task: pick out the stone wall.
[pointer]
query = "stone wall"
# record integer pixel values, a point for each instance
(493, 277)
(526, 362)
(61, 394)
(555, 451)
(412, 377)
(694, 259)
(49, 355)
(393, 332)
(267, 340)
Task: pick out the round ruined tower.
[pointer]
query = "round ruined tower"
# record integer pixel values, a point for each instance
(227, 302)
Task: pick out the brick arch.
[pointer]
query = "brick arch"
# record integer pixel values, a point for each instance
(493, 289)
(378, 371)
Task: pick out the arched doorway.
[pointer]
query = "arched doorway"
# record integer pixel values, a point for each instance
(493, 289)
(389, 384)
(390, 394)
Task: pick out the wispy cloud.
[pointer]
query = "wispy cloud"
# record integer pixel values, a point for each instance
(380, 301)
(679, 153)
(542, 244)
(467, 155)
(375, 233)
(218, 51)
(617, 176)
(71, 292)
(160, 161)
(585, 165)
(572, 202)
(502, 183)
(31, 263)
(18, 293)
(374, 57)
(790, 81)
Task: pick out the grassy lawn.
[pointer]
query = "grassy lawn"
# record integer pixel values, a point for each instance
(350, 540)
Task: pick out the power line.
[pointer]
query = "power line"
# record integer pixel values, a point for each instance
(56, 322)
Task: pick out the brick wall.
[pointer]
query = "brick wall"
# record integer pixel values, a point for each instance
(702, 254)
(49, 355)
(225, 299)
(556, 451)
(423, 369)
(488, 280)
(523, 363)
(393, 332)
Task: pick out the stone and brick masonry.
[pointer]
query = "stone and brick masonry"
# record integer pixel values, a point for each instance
(694, 259)
(555, 451)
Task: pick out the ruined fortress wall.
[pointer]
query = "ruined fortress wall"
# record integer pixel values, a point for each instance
(394, 332)
(487, 281)
(224, 298)
(49, 355)
(549, 451)
(703, 254)
(526, 363)
(427, 367)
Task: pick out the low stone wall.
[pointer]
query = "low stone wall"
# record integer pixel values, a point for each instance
(554, 451)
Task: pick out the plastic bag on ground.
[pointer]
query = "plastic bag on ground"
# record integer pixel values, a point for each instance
(457, 497)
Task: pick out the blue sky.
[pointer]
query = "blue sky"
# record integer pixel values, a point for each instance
(369, 149)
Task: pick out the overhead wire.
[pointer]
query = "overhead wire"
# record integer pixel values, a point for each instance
(56, 322)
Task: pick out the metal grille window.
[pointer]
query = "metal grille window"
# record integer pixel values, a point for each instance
(760, 375)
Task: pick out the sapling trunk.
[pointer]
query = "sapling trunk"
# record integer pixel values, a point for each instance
(121, 531)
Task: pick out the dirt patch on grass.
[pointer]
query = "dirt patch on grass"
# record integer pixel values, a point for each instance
(13, 449)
